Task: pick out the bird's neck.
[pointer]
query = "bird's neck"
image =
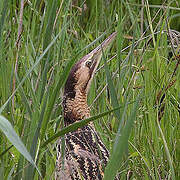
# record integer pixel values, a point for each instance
(76, 109)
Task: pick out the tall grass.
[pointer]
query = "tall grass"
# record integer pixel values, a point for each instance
(134, 98)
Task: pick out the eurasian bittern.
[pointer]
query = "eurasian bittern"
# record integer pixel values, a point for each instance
(85, 155)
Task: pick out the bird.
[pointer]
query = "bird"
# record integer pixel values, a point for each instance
(81, 154)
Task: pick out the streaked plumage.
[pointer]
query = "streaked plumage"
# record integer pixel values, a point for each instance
(85, 155)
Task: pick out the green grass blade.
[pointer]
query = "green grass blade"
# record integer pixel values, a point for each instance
(121, 145)
(30, 170)
(24, 98)
(166, 150)
(10, 133)
(113, 94)
(2, 19)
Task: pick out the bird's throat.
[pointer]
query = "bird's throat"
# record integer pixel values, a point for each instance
(76, 109)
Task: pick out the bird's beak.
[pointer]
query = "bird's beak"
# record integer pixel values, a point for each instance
(96, 54)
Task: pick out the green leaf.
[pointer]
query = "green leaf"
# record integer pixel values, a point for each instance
(120, 145)
(10, 133)
(113, 94)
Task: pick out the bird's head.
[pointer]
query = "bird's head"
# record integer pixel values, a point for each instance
(83, 71)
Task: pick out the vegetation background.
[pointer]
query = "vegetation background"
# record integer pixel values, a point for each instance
(40, 40)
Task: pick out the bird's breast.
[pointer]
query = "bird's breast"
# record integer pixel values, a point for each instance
(85, 154)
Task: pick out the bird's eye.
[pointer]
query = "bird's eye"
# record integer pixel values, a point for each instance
(88, 64)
